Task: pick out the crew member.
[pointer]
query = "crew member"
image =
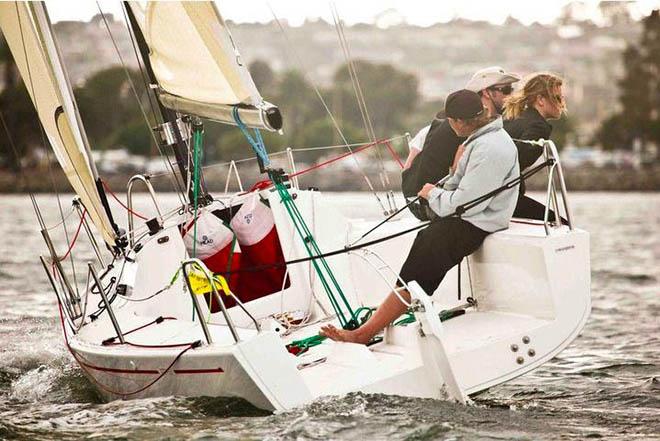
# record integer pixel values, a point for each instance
(526, 114)
(490, 159)
(433, 150)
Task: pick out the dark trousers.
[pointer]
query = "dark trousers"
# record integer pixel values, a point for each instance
(438, 248)
(528, 208)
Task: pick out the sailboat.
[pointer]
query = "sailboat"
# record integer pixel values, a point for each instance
(225, 295)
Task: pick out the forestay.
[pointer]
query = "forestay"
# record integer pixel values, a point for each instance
(196, 63)
(26, 27)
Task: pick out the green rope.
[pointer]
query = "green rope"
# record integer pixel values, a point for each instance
(197, 146)
(368, 312)
(305, 343)
(198, 135)
(408, 319)
(320, 265)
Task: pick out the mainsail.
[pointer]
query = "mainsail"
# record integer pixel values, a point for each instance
(27, 29)
(197, 65)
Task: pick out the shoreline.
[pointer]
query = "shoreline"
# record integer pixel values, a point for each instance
(587, 179)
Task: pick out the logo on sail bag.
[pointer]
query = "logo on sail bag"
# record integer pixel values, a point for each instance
(215, 245)
(255, 230)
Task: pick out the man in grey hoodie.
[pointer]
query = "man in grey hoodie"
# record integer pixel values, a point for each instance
(487, 160)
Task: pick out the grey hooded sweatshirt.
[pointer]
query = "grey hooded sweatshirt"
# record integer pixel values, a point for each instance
(490, 160)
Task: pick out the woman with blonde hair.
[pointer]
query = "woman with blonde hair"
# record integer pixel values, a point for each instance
(526, 114)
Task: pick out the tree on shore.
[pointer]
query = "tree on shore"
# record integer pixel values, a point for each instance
(390, 95)
(638, 122)
(18, 114)
(110, 113)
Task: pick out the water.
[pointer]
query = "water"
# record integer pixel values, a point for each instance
(605, 385)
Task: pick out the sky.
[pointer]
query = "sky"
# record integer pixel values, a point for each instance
(416, 12)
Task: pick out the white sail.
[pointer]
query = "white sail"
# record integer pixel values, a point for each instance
(196, 63)
(28, 33)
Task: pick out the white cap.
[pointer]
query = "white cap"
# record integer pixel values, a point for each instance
(490, 76)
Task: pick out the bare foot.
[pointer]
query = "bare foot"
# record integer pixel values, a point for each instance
(343, 335)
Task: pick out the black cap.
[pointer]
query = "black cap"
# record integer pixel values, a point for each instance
(463, 104)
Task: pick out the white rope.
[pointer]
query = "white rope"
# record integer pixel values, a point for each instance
(302, 149)
(359, 95)
(325, 106)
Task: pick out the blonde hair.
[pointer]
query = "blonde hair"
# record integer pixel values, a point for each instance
(543, 84)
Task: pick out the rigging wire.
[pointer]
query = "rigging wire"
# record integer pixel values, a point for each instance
(357, 88)
(298, 60)
(350, 65)
(362, 104)
(22, 176)
(175, 183)
(48, 157)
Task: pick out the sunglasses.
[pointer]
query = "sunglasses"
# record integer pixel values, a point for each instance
(504, 90)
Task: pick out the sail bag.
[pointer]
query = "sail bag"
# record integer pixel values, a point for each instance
(214, 243)
(254, 226)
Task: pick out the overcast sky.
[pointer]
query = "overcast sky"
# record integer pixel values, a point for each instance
(418, 12)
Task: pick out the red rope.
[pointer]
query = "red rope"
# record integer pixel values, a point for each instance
(75, 237)
(157, 320)
(393, 153)
(86, 366)
(107, 187)
(335, 159)
(138, 345)
(266, 183)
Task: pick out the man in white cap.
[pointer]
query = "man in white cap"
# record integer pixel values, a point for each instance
(494, 85)
(435, 149)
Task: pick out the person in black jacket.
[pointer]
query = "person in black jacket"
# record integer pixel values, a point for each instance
(435, 148)
(526, 114)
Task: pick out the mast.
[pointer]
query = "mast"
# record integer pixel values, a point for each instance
(171, 128)
(195, 69)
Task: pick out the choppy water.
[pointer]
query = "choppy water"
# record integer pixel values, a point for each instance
(605, 385)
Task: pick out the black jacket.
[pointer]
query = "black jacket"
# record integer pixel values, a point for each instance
(433, 163)
(441, 143)
(530, 125)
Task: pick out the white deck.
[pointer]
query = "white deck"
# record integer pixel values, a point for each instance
(528, 286)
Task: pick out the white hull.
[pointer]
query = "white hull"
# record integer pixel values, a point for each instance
(532, 292)
(531, 285)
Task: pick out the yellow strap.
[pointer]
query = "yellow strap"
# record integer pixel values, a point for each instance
(199, 283)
